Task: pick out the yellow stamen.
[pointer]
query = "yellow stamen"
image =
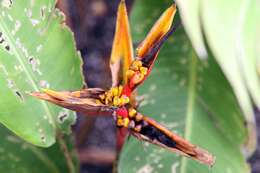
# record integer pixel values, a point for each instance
(143, 70)
(120, 89)
(126, 122)
(124, 100)
(132, 112)
(138, 77)
(116, 101)
(120, 122)
(136, 65)
(129, 74)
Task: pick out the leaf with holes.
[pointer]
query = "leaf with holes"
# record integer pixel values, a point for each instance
(191, 97)
(18, 156)
(35, 45)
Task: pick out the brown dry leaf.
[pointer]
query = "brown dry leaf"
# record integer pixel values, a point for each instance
(168, 140)
(84, 101)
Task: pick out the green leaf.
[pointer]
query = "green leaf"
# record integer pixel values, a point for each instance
(192, 98)
(37, 51)
(189, 11)
(231, 30)
(19, 156)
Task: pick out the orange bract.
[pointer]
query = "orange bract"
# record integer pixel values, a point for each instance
(161, 27)
(122, 50)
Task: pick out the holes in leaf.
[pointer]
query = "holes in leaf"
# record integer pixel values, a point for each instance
(19, 95)
(16, 27)
(34, 64)
(7, 47)
(7, 3)
(44, 84)
(4, 43)
(63, 115)
(42, 11)
(11, 85)
(31, 60)
(43, 138)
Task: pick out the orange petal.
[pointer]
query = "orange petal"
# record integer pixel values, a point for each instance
(160, 28)
(122, 50)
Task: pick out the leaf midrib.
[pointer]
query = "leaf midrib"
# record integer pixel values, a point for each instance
(19, 56)
(192, 77)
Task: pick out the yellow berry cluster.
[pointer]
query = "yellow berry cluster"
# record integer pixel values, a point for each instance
(114, 97)
(136, 72)
(122, 122)
(133, 122)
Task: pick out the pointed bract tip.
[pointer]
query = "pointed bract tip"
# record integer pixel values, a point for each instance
(173, 6)
(34, 94)
(159, 29)
(205, 157)
(122, 4)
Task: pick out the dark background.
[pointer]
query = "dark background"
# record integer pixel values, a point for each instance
(93, 24)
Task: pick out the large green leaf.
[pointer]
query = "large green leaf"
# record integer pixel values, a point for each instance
(192, 98)
(19, 156)
(36, 51)
(232, 31)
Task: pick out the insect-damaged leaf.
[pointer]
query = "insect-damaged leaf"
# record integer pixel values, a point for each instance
(192, 98)
(34, 46)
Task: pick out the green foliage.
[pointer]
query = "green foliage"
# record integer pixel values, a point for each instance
(19, 156)
(192, 97)
(37, 51)
(231, 29)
